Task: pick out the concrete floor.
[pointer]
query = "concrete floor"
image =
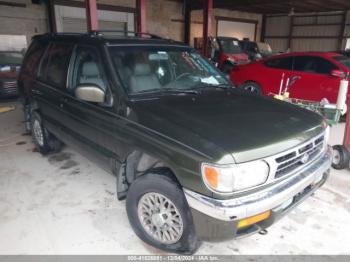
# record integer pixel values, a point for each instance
(64, 204)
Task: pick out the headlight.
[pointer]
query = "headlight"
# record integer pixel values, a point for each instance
(227, 179)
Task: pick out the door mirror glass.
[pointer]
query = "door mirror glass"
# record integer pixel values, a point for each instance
(90, 93)
(338, 73)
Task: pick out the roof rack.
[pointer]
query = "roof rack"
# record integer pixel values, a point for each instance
(125, 33)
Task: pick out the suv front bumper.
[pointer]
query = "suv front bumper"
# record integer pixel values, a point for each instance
(278, 198)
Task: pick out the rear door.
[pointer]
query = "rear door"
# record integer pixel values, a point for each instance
(50, 88)
(275, 72)
(311, 79)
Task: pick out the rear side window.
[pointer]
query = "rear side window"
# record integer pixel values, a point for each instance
(32, 57)
(54, 66)
(280, 63)
(313, 64)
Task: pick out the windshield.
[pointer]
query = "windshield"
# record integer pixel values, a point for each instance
(264, 48)
(10, 58)
(345, 61)
(10, 61)
(230, 46)
(148, 69)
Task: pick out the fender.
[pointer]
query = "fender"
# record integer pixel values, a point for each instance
(136, 164)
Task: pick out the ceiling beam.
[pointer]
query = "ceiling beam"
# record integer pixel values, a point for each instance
(281, 6)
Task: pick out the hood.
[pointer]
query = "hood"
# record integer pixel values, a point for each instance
(230, 125)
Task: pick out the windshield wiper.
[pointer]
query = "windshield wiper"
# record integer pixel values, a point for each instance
(167, 91)
(206, 85)
(179, 91)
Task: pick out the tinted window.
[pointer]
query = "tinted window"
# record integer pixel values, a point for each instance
(280, 63)
(313, 64)
(344, 60)
(43, 64)
(55, 63)
(32, 57)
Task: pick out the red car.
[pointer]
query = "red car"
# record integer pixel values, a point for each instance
(227, 52)
(312, 75)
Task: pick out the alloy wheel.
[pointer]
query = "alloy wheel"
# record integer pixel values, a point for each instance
(160, 218)
(38, 132)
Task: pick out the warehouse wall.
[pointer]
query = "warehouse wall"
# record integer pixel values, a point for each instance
(197, 21)
(28, 21)
(321, 35)
(164, 18)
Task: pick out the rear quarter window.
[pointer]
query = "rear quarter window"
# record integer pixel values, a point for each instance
(32, 58)
(54, 66)
(313, 64)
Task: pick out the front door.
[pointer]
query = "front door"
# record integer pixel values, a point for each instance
(91, 125)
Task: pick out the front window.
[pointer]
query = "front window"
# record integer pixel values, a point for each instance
(264, 48)
(345, 61)
(230, 46)
(149, 69)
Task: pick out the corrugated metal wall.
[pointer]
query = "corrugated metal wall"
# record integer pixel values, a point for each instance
(306, 32)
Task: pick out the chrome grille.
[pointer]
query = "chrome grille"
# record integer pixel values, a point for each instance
(298, 157)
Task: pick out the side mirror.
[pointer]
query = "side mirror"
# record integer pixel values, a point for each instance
(90, 93)
(338, 73)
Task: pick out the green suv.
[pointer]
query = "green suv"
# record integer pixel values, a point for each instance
(195, 158)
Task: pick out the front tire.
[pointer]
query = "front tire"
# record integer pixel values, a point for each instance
(341, 157)
(252, 87)
(159, 214)
(44, 141)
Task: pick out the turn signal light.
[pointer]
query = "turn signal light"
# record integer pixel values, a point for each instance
(211, 176)
(254, 219)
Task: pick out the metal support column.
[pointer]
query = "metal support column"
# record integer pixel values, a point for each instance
(91, 15)
(141, 16)
(187, 16)
(263, 29)
(207, 17)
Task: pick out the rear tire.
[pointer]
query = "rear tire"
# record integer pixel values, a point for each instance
(44, 141)
(341, 157)
(252, 87)
(159, 214)
(27, 122)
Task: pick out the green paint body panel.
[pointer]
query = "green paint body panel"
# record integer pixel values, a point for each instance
(183, 131)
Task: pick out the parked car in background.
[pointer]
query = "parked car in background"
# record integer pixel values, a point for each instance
(256, 50)
(10, 64)
(312, 75)
(226, 52)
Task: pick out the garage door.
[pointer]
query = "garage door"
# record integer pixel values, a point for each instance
(239, 30)
(79, 25)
